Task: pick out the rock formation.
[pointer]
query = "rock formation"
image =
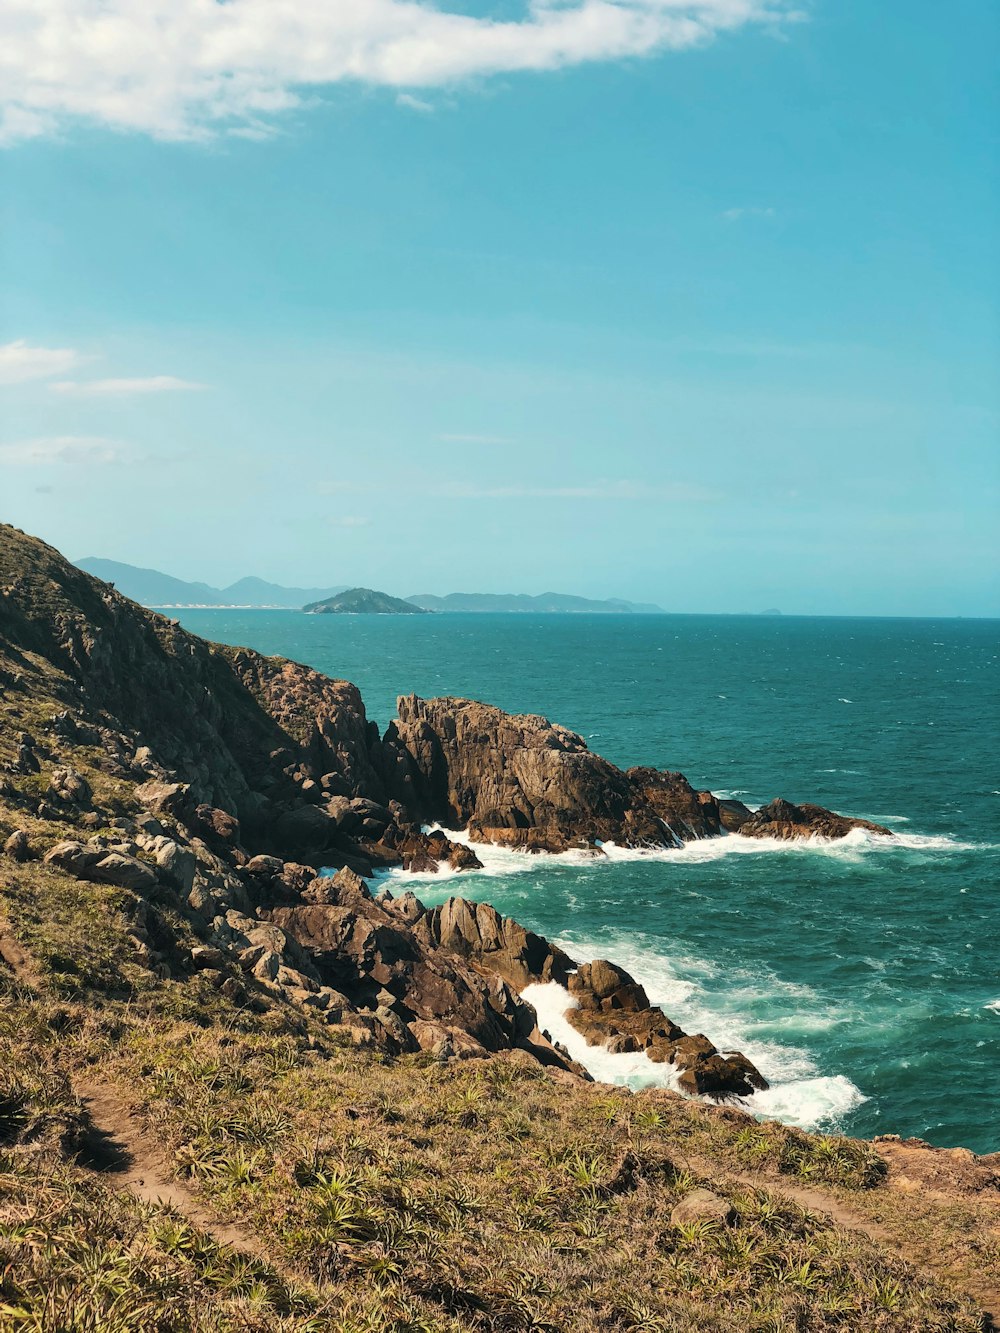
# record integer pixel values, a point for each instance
(522, 781)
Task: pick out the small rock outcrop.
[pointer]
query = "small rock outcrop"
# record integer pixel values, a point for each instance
(782, 819)
(613, 1010)
(702, 1206)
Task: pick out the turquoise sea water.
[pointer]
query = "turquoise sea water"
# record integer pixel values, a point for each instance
(864, 978)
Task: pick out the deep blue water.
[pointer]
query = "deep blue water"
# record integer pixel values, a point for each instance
(863, 978)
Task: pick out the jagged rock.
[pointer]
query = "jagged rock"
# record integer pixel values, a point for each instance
(164, 798)
(703, 1206)
(128, 872)
(733, 814)
(305, 831)
(444, 1042)
(265, 866)
(687, 814)
(17, 846)
(218, 826)
(66, 784)
(614, 1011)
(177, 865)
(477, 930)
(471, 765)
(361, 949)
(101, 865)
(782, 819)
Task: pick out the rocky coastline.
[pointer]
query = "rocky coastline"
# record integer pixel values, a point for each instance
(220, 783)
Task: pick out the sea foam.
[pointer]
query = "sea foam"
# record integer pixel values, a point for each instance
(505, 861)
(797, 1094)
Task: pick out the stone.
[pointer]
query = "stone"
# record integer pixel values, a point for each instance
(233, 990)
(66, 784)
(264, 866)
(128, 872)
(17, 846)
(782, 819)
(164, 798)
(703, 1206)
(204, 956)
(217, 826)
(177, 865)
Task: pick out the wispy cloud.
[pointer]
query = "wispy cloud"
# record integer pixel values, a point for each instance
(187, 69)
(20, 361)
(603, 491)
(738, 214)
(414, 103)
(117, 388)
(46, 450)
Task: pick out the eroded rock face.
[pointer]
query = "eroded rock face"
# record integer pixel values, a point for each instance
(687, 814)
(478, 931)
(522, 781)
(370, 954)
(514, 780)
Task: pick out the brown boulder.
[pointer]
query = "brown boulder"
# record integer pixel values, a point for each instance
(688, 814)
(703, 1206)
(17, 846)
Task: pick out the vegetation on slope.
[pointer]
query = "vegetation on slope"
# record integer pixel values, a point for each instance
(313, 1182)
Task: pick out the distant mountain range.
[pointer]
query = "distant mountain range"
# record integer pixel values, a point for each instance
(555, 602)
(152, 588)
(364, 601)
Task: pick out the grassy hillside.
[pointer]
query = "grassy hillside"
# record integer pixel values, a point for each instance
(187, 1143)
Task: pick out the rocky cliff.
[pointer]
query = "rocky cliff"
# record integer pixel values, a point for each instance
(524, 781)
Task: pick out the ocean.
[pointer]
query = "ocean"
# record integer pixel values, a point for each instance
(862, 977)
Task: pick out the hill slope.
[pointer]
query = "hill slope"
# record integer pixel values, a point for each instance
(151, 588)
(341, 1098)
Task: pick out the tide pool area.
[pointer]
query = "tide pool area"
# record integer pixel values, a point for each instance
(861, 976)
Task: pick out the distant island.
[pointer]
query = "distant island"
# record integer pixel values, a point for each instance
(364, 601)
(549, 602)
(152, 588)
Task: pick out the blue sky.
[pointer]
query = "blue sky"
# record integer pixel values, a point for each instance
(692, 301)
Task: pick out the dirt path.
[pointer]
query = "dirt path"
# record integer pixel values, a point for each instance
(985, 1294)
(118, 1146)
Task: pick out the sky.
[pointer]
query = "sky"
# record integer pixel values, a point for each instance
(684, 301)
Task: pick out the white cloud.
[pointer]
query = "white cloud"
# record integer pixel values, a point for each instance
(19, 361)
(184, 69)
(90, 450)
(119, 387)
